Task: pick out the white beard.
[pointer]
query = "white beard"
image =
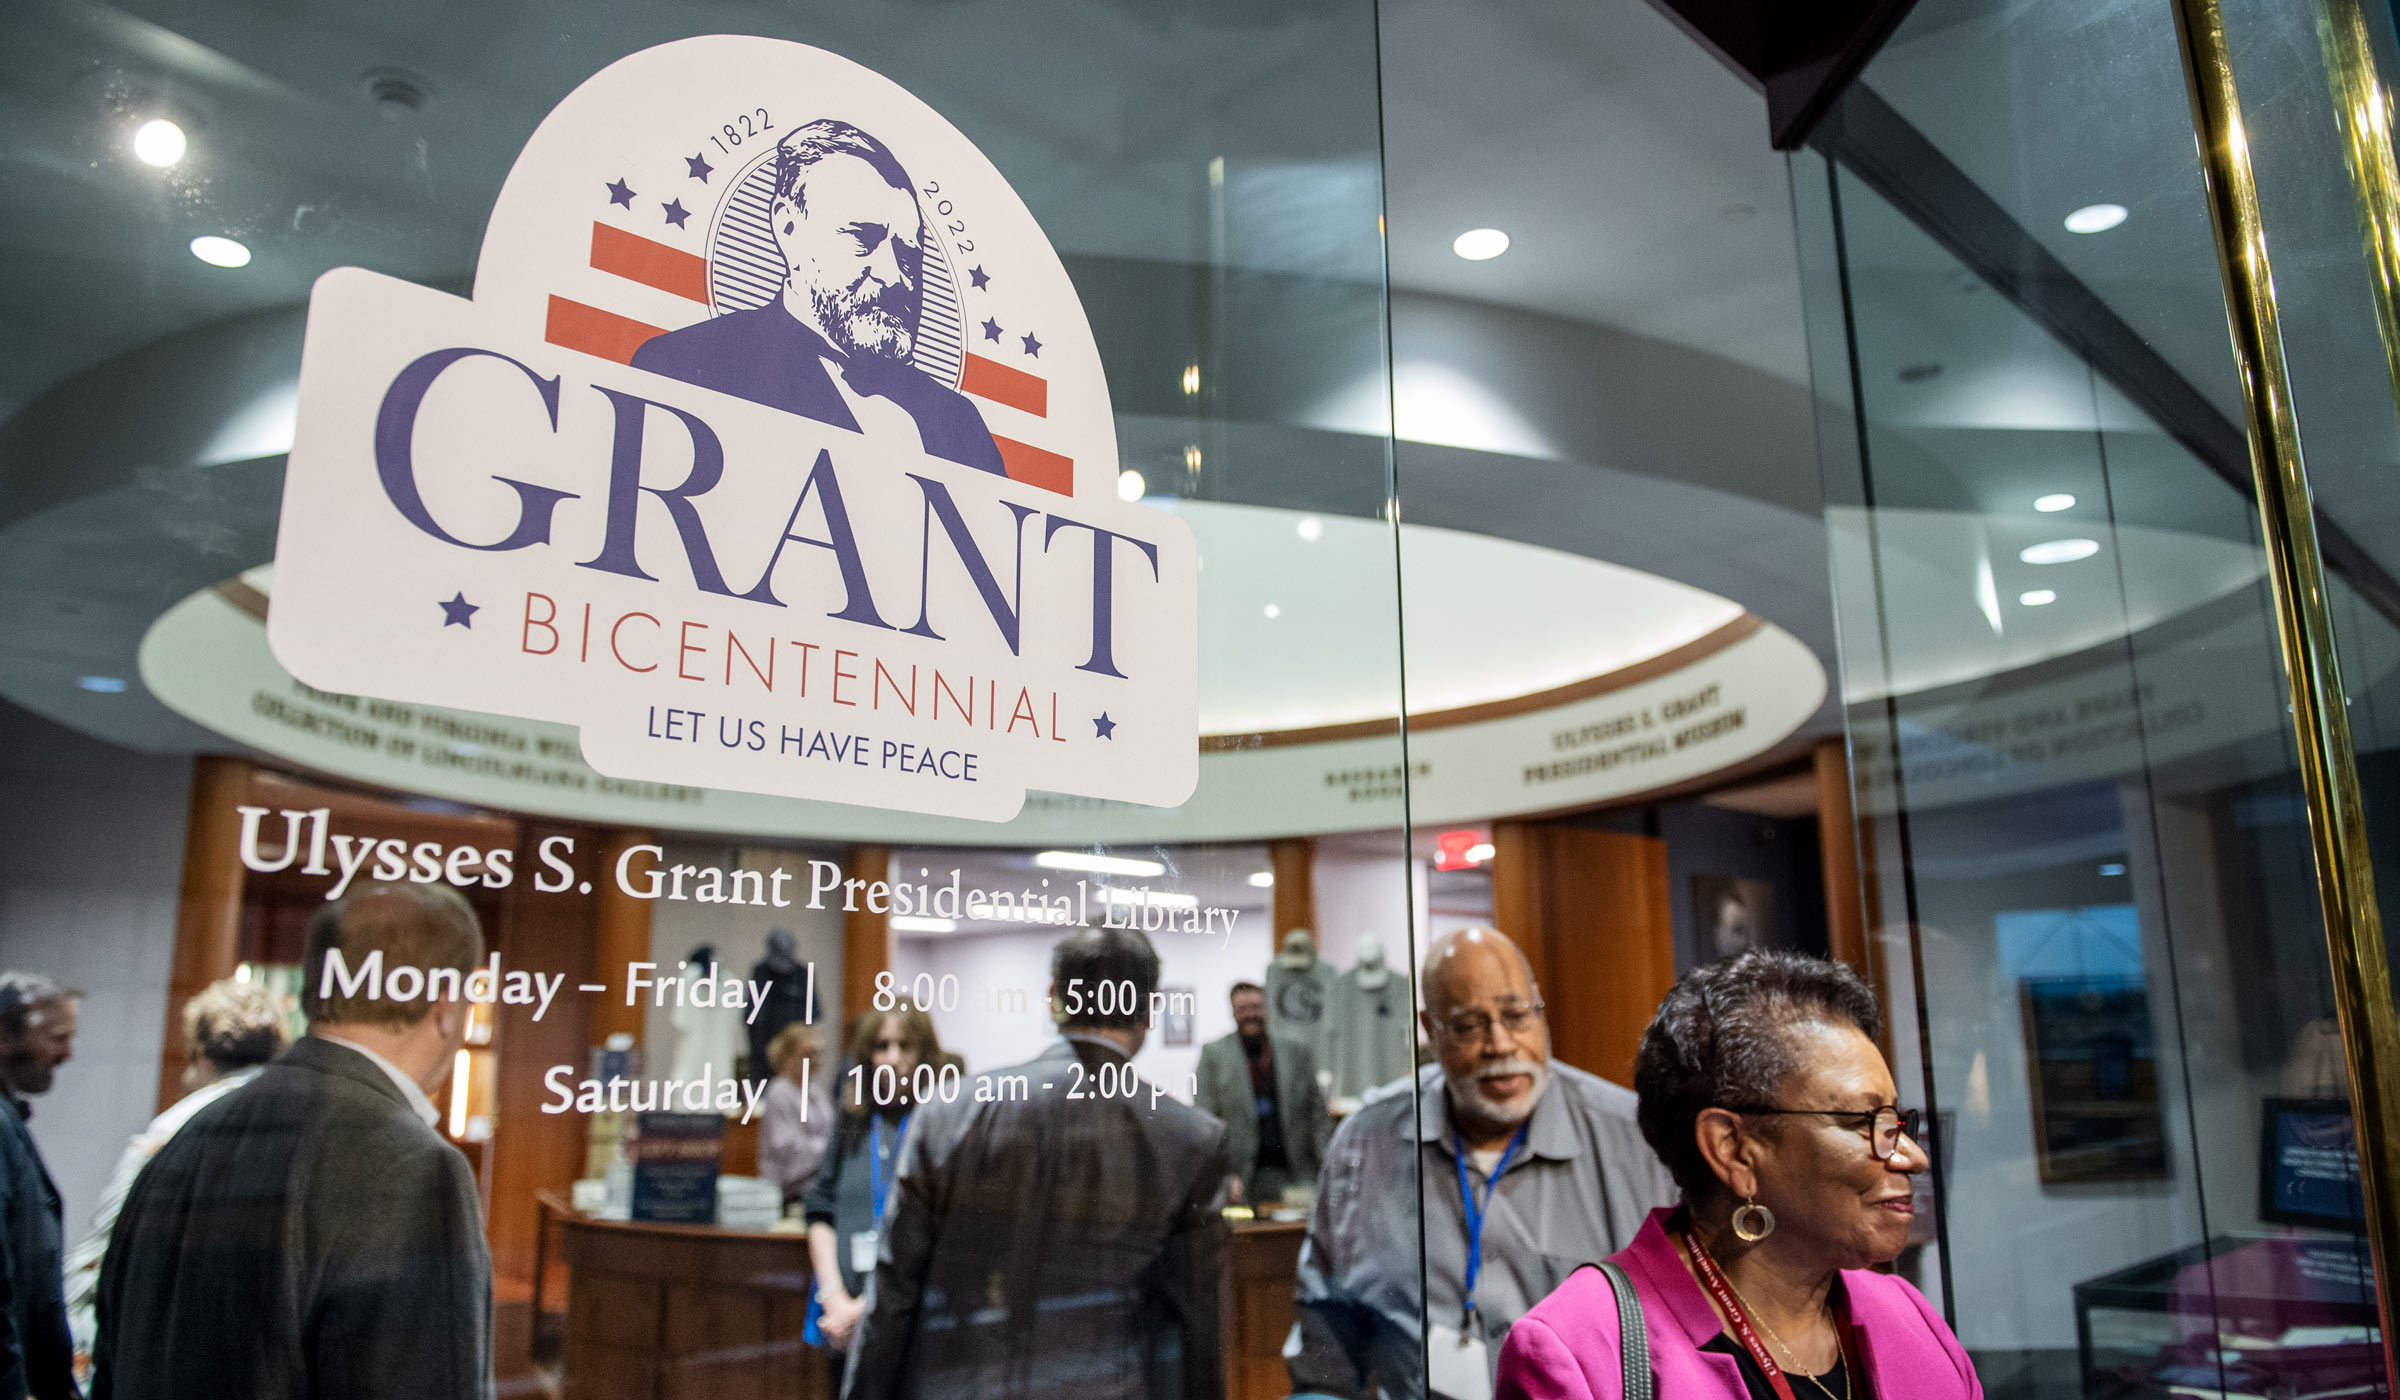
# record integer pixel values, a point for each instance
(1466, 1090)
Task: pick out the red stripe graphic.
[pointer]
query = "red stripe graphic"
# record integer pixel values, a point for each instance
(990, 379)
(596, 332)
(631, 256)
(1035, 467)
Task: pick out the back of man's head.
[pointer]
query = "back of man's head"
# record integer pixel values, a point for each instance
(1107, 974)
(424, 927)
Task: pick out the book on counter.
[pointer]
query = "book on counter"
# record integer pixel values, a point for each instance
(676, 1158)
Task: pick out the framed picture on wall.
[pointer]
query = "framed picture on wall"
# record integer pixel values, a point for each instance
(2094, 1070)
(1175, 1027)
(1731, 915)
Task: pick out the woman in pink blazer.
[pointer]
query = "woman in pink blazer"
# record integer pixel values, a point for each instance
(1763, 1092)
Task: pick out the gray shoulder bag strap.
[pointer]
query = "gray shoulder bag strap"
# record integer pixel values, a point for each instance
(1633, 1339)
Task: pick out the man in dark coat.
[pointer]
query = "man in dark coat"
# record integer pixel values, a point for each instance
(37, 1035)
(312, 1236)
(1058, 1228)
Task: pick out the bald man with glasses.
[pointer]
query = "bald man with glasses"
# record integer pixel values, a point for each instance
(1528, 1169)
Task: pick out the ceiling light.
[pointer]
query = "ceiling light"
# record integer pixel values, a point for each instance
(1130, 486)
(1097, 865)
(220, 252)
(2037, 597)
(1311, 529)
(1274, 610)
(2112, 869)
(1262, 879)
(103, 685)
(2053, 503)
(1479, 853)
(1191, 379)
(1156, 899)
(918, 923)
(2059, 551)
(158, 142)
(2096, 218)
(1480, 244)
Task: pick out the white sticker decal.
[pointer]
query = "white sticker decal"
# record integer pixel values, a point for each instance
(773, 451)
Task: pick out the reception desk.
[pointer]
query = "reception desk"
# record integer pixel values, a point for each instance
(682, 1312)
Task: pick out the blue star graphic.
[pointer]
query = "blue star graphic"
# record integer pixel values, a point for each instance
(1033, 347)
(979, 278)
(620, 193)
(700, 167)
(1104, 727)
(991, 330)
(676, 213)
(458, 612)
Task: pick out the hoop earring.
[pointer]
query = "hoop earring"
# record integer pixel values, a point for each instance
(1752, 1222)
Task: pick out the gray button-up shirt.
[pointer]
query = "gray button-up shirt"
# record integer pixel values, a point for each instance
(1575, 1193)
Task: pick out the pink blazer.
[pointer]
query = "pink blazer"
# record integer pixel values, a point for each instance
(1566, 1347)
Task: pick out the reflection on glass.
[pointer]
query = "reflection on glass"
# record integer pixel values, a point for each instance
(2079, 810)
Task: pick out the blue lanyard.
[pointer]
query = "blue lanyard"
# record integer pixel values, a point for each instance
(1475, 1210)
(875, 1181)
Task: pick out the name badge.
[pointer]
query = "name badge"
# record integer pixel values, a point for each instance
(1457, 1366)
(862, 1252)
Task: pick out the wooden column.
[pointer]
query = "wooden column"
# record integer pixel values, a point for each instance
(866, 941)
(533, 1151)
(1594, 915)
(1293, 860)
(1846, 854)
(1837, 846)
(208, 917)
(620, 932)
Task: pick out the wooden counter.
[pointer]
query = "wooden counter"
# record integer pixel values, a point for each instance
(682, 1312)
(1262, 1262)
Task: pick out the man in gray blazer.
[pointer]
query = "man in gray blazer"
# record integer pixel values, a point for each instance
(311, 1236)
(1264, 1088)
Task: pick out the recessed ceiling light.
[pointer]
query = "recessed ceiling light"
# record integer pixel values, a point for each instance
(1130, 486)
(1262, 879)
(1311, 529)
(2096, 218)
(158, 142)
(2112, 870)
(2037, 597)
(1097, 865)
(103, 685)
(220, 252)
(918, 923)
(1479, 853)
(1274, 610)
(1480, 244)
(2053, 503)
(2059, 551)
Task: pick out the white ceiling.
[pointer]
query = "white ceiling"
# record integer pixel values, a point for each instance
(1327, 655)
(1629, 168)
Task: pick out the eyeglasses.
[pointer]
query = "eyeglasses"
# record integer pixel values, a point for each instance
(1882, 1126)
(1473, 1027)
